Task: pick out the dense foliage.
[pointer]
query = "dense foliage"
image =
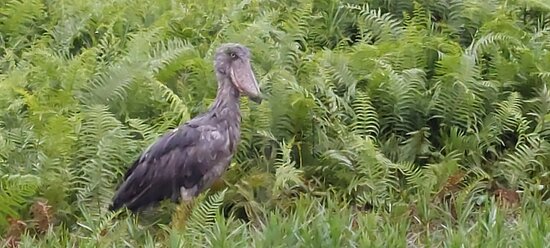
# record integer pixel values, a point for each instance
(388, 122)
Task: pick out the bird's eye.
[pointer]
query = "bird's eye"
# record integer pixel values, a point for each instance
(233, 55)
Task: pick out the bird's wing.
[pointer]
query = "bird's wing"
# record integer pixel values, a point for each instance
(179, 158)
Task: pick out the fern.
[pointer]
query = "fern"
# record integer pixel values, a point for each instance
(329, 29)
(418, 146)
(373, 178)
(397, 96)
(509, 110)
(458, 98)
(98, 230)
(286, 175)
(179, 112)
(519, 163)
(484, 43)
(382, 27)
(100, 159)
(113, 82)
(294, 42)
(202, 217)
(163, 53)
(364, 121)
(21, 20)
(14, 193)
(540, 110)
(434, 176)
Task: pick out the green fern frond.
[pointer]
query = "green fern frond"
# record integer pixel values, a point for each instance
(328, 31)
(202, 216)
(416, 146)
(452, 11)
(364, 121)
(539, 108)
(294, 43)
(434, 176)
(412, 173)
(140, 58)
(178, 111)
(21, 20)
(468, 146)
(417, 21)
(164, 52)
(105, 148)
(491, 40)
(510, 114)
(286, 175)
(335, 67)
(146, 132)
(382, 27)
(99, 229)
(517, 165)
(14, 192)
(396, 100)
(459, 97)
(374, 175)
(113, 83)
(544, 75)
(509, 109)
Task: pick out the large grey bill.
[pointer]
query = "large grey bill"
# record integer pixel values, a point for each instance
(243, 77)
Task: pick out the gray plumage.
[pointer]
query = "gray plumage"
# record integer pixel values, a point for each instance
(187, 160)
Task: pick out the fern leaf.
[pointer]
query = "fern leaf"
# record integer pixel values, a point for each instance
(105, 148)
(286, 175)
(14, 192)
(365, 119)
(382, 27)
(518, 164)
(202, 216)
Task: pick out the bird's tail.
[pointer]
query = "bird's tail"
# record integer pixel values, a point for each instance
(122, 196)
(117, 202)
(114, 206)
(131, 199)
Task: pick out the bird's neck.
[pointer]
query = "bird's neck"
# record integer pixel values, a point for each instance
(226, 105)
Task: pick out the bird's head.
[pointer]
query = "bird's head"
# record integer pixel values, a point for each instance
(232, 61)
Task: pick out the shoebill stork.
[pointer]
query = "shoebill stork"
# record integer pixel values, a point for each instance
(184, 162)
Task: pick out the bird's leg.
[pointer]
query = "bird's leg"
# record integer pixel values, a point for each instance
(186, 197)
(185, 194)
(184, 209)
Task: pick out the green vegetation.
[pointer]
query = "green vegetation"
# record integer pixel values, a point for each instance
(388, 124)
